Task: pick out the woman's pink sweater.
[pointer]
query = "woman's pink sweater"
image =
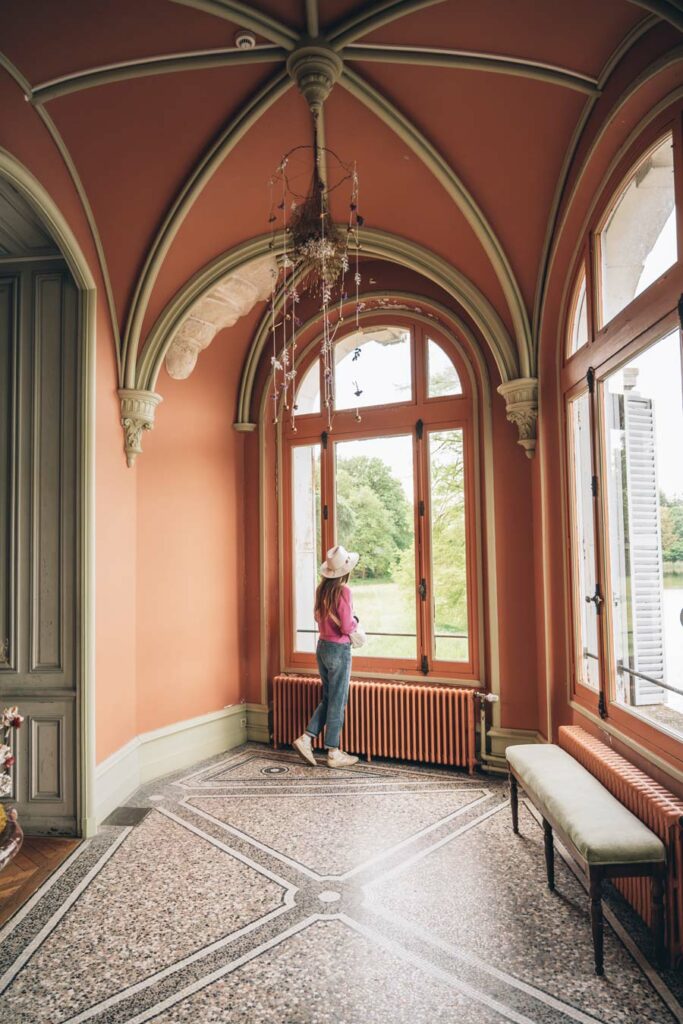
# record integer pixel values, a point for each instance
(339, 633)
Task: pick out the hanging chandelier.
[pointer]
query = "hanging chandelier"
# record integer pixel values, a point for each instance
(315, 256)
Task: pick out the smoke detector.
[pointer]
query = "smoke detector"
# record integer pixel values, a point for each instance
(245, 41)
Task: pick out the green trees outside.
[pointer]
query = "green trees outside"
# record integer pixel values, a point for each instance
(449, 543)
(375, 518)
(671, 519)
(373, 515)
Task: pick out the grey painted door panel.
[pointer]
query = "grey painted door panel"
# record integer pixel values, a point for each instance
(39, 434)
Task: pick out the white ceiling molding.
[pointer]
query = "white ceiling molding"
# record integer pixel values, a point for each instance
(198, 60)
(231, 298)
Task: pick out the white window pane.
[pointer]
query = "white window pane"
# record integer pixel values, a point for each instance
(449, 545)
(308, 395)
(638, 242)
(583, 544)
(644, 425)
(443, 377)
(373, 367)
(578, 329)
(375, 517)
(306, 542)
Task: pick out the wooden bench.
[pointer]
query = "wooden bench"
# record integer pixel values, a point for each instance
(598, 832)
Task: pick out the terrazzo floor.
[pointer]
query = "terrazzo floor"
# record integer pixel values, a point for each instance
(259, 890)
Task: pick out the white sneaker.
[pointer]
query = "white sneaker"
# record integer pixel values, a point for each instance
(340, 759)
(304, 748)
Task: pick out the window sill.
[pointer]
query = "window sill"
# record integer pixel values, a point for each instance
(634, 743)
(392, 677)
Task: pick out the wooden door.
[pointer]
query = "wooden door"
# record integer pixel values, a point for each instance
(39, 438)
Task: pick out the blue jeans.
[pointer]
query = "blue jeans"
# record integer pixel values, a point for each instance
(334, 665)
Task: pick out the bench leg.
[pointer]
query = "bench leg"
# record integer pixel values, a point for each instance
(658, 916)
(549, 854)
(514, 804)
(596, 919)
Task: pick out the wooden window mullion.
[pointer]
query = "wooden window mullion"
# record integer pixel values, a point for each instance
(423, 579)
(327, 495)
(599, 535)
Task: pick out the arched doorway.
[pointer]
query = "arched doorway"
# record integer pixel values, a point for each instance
(46, 335)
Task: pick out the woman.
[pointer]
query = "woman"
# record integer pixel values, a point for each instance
(336, 622)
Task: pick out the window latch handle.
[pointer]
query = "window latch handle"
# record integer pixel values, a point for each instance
(596, 599)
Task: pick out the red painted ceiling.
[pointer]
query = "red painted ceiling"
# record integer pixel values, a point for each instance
(134, 143)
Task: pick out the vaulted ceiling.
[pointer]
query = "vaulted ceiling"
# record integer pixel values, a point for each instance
(462, 115)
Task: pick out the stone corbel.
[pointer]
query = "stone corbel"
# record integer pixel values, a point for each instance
(137, 414)
(521, 407)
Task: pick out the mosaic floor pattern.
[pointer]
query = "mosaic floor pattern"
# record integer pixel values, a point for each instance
(257, 889)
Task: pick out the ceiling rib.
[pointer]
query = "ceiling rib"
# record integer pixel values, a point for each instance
(394, 249)
(226, 142)
(462, 198)
(367, 19)
(667, 10)
(62, 148)
(247, 16)
(473, 61)
(196, 61)
(610, 64)
(375, 243)
(312, 19)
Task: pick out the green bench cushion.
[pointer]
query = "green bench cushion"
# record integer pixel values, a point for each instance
(601, 829)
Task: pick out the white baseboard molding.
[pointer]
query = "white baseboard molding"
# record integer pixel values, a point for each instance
(157, 753)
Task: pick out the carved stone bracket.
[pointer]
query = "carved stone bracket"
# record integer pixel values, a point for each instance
(230, 298)
(137, 414)
(521, 407)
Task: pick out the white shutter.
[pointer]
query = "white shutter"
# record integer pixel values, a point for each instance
(645, 549)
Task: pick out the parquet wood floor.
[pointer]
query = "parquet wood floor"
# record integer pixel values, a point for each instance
(35, 862)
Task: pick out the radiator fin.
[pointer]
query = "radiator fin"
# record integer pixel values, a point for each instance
(411, 722)
(659, 809)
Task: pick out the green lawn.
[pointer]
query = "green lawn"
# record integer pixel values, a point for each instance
(387, 607)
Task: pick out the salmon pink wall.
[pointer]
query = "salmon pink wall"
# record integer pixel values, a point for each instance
(115, 551)
(512, 472)
(190, 543)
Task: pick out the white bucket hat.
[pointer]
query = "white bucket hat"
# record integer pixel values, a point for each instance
(339, 561)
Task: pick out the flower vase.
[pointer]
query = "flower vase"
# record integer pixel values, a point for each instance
(11, 836)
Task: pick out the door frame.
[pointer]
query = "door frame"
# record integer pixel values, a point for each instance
(35, 194)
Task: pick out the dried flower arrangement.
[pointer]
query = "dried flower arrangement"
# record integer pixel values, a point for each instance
(11, 719)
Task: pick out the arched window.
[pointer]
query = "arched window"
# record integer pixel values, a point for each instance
(636, 240)
(577, 335)
(623, 386)
(394, 480)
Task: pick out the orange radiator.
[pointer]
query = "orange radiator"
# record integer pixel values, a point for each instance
(659, 809)
(402, 720)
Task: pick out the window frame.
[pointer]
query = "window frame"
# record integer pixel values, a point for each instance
(648, 318)
(384, 421)
(655, 140)
(581, 273)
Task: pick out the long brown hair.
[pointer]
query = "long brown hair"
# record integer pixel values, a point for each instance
(327, 597)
